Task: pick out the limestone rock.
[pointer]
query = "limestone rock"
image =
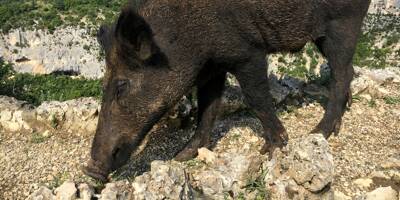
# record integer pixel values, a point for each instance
(340, 196)
(227, 174)
(67, 191)
(206, 155)
(382, 193)
(310, 162)
(70, 50)
(363, 183)
(15, 114)
(79, 115)
(42, 193)
(303, 170)
(391, 163)
(115, 191)
(368, 81)
(166, 180)
(85, 192)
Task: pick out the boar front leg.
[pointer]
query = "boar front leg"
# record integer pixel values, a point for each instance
(209, 100)
(253, 80)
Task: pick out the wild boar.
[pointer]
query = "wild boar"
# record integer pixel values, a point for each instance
(159, 49)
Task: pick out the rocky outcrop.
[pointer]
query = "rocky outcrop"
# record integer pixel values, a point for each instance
(303, 170)
(367, 82)
(78, 115)
(385, 6)
(69, 50)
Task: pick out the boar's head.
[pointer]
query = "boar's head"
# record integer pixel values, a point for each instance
(132, 100)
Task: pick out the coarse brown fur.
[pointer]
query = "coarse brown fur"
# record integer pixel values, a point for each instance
(159, 49)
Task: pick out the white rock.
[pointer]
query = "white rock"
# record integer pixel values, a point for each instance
(310, 162)
(119, 190)
(62, 51)
(46, 133)
(306, 166)
(363, 182)
(382, 193)
(391, 163)
(228, 173)
(42, 193)
(206, 155)
(85, 192)
(166, 180)
(67, 191)
(340, 196)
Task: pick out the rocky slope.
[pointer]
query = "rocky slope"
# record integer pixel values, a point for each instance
(46, 146)
(70, 51)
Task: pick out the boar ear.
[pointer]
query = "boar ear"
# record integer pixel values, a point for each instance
(134, 34)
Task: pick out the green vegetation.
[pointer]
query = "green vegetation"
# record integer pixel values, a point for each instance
(378, 29)
(372, 103)
(54, 122)
(38, 88)
(59, 179)
(258, 185)
(38, 138)
(49, 14)
(392, 100)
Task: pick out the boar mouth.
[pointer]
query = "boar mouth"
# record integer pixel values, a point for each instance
(93, 170)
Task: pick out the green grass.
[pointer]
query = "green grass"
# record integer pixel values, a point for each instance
(38, 138)
(59, 179)
(392, 100)
(372, 103)
(50, 14)
(258, 185)
(36, 89)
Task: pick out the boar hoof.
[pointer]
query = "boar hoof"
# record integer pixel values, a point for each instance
(326, 129)
(186, 154)
(279, 141)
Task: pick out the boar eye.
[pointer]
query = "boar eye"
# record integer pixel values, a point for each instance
(122, 86)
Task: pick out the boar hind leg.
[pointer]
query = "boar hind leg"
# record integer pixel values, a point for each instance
(209, 100)
(338, 46)
(253, 80)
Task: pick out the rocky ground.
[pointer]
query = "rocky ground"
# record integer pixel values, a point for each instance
(365, 154)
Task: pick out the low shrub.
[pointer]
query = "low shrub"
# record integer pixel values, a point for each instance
(36, 89)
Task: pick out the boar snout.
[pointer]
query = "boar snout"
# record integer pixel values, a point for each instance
(94, 170)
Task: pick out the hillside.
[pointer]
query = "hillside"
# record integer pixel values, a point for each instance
(51, 69)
